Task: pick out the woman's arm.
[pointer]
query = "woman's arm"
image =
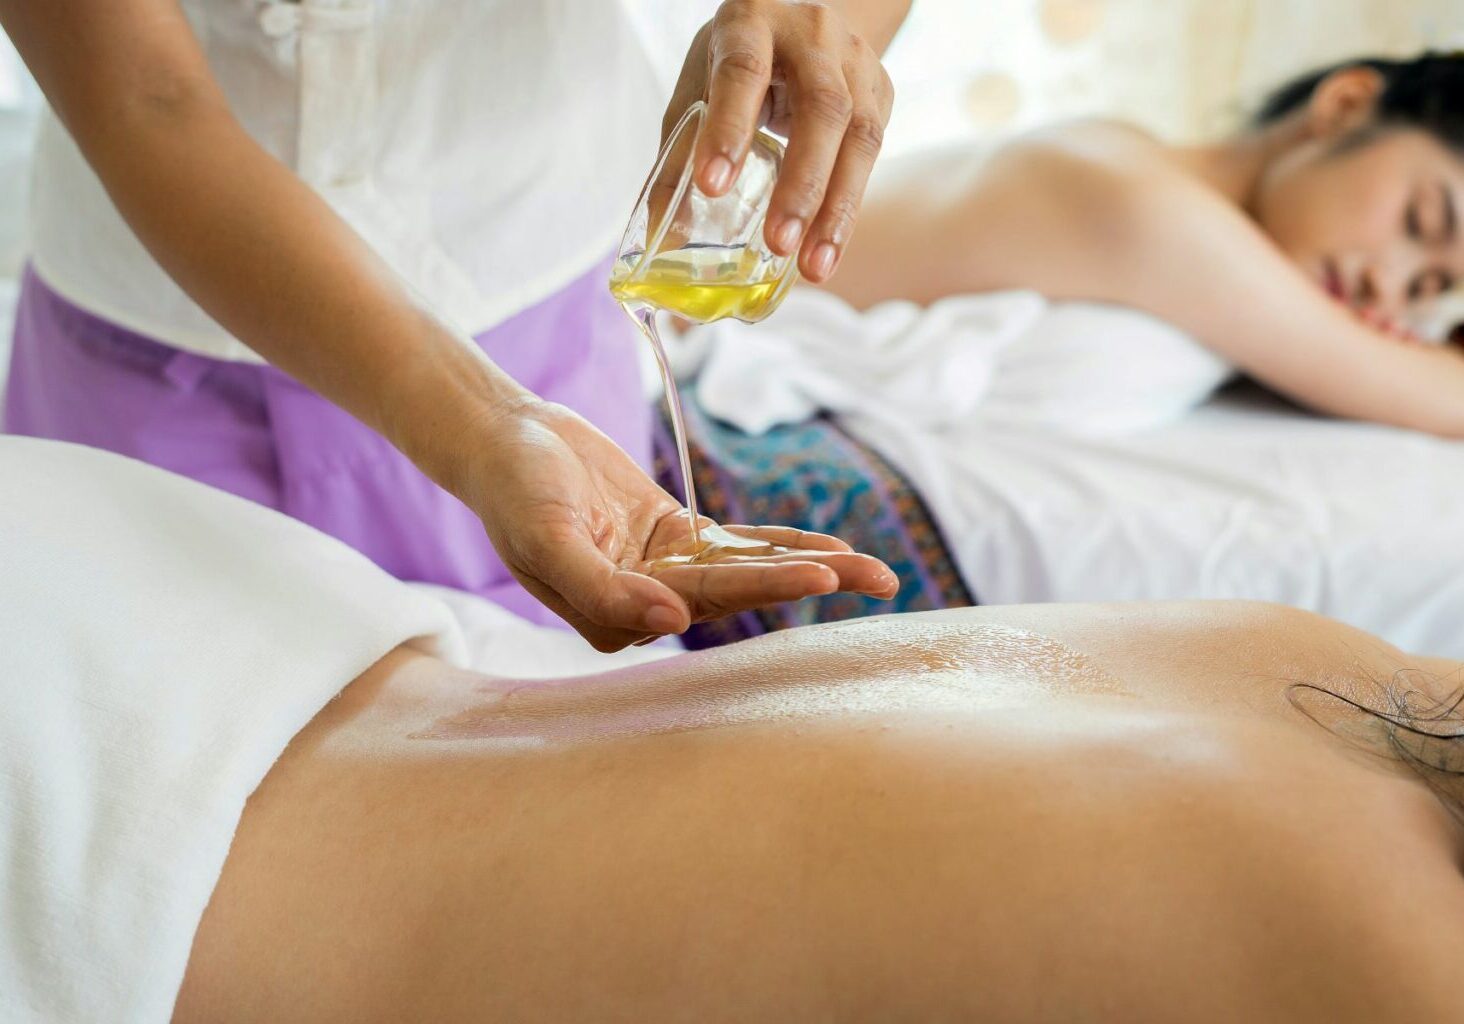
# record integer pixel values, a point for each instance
(1096, 213)
(242, 235)
(571, 515)
(1201, 264)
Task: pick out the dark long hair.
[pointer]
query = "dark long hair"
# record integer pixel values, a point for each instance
(1400, 720)
(1425, 92)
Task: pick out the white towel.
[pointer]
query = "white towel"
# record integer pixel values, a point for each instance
(1008, 358)
(502, 644)
(160, 644)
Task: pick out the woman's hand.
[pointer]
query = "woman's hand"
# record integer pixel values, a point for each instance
(823, 87)
(577, 522)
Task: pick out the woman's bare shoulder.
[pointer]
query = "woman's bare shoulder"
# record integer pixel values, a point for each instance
(1096, 132)
(1093, 144)
(1102, 175)
(1089, 147)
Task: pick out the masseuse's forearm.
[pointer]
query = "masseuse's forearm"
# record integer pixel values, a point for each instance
(242, 235)
(269, 259)
(876, 21)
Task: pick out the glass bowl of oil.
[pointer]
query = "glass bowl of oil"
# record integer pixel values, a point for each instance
(699, 257)
(702, 259)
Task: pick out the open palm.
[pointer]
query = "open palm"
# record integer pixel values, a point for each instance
(580, 525)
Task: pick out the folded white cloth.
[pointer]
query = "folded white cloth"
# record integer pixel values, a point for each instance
(502, 644)
(1009, 358)
(160, 644)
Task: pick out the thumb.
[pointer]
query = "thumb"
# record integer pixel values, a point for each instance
(606, 595)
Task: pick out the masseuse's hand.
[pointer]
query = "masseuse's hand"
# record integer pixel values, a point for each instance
(576, 521)
(826, 92)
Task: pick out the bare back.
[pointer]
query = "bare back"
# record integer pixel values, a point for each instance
(972, 217)
(1012, 814)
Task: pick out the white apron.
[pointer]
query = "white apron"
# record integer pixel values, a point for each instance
(489, 150)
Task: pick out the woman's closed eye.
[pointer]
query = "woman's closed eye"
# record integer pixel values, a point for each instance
(1432, 220)
(1432, 217)
(1430, 284)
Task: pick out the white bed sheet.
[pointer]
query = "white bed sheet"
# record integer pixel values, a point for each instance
(1244, 498)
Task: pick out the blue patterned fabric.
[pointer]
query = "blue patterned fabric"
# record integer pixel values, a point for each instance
(812, 476)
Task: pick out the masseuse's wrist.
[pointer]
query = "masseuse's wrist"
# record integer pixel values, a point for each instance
(442, 408)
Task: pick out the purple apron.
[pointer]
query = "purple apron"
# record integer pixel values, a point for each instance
(251, 430)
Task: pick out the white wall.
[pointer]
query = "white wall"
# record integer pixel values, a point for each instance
(967, 68)
(1185, 68)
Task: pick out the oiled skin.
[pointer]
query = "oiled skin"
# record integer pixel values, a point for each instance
(1029, 814)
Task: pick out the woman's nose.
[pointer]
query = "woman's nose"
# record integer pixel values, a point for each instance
(1382, 288)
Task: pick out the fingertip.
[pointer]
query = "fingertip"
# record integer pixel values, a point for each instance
(885, 585)
(717, 175)
(785, 234)
(645, 599)
(663, 619)
(829, 583)
(819, 261)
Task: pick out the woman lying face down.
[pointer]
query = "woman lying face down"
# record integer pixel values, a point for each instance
(1134, 812)
(1298, 249)
(1125, 812)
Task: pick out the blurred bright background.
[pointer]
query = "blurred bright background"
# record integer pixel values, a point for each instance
(1183, 68)
(19, 101)
(977, 68)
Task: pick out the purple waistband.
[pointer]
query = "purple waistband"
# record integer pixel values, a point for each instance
(253, 431)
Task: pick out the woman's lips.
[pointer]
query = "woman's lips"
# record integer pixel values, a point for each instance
(1335, 285)
(1332, 281)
